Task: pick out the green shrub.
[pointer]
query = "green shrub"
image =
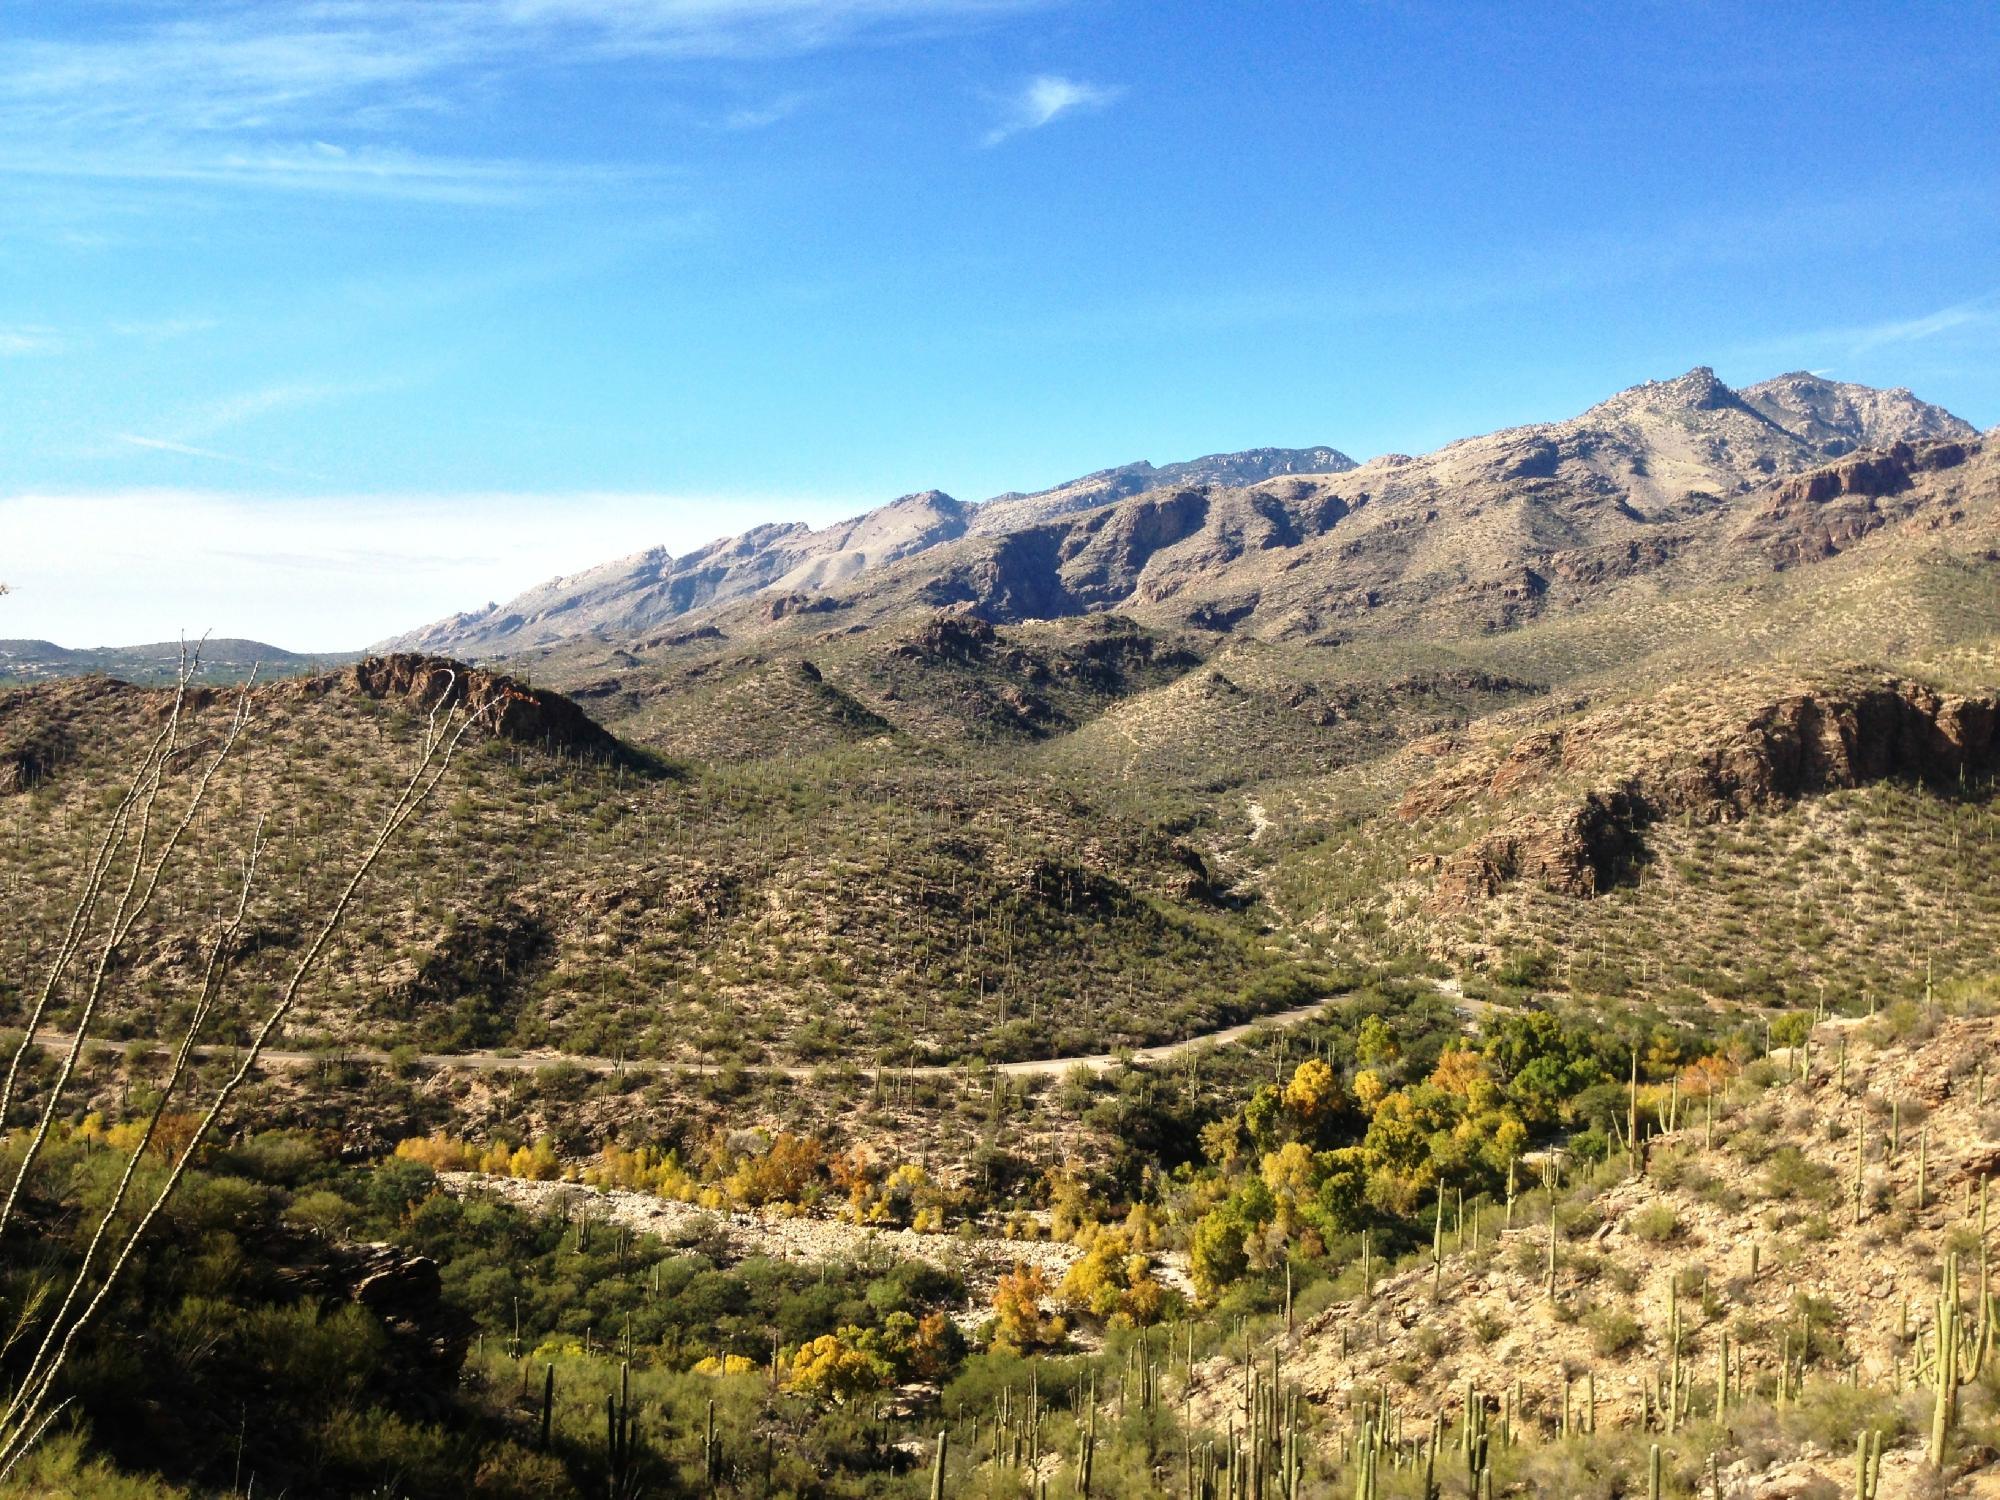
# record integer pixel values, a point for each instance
(1655, 1224)
(1613, 1331)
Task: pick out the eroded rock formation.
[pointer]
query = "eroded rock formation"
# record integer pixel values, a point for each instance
(507, 708)
(1801, 745)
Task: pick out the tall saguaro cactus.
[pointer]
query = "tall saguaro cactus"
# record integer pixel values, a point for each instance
(1945, 1373)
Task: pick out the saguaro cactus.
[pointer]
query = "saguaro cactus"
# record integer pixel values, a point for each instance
(1860, 1162)
(618, 1433)
(1632, 1118)
(1867, 1465)
(1086, 1453)
(1364, 1483)
(711, 1449)
(1945, 1363)
(1437, 1251)
(1552, 1251)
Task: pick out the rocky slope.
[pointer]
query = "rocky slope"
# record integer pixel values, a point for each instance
(1012, 512)
(1795, 1227)
(1845, 735)
(635, 597)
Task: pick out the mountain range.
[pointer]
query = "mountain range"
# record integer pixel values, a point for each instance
(635, 595)
(1285, 543)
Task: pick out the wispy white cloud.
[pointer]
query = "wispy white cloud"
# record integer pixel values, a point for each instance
(226, 412)
(1979, 312)
(163, 330)
(186, 434)
(329, 573)
(315, 167)
(19, 343)
(273, 94)
(1972, 324)
(762, 117)
(1045, 99)
(190, 450)
(33, 340)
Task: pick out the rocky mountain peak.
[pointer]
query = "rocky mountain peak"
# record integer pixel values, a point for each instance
(1837, 415)
(1699, 390)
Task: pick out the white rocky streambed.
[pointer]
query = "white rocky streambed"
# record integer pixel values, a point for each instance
(980, 1259)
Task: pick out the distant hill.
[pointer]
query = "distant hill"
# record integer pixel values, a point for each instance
(221, 661)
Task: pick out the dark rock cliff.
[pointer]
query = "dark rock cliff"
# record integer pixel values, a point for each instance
(507, 708)
(1802, 745)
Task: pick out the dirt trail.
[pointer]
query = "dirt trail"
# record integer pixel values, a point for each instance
(489, 1060)
(1260, 820)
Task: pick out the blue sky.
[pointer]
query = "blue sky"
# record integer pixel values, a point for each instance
(319, 318)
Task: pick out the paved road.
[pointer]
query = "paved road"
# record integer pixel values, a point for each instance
(490, 1061)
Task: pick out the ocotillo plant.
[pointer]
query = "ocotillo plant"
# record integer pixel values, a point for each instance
(121, 879)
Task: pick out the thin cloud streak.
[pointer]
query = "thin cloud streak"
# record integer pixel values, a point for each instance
(1970, 323)
(245, 95)
(322, 168)
(288, 395)
(1046, 99)
(22, 343)
(1978, 312)
(190, 450)
(164, 330)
